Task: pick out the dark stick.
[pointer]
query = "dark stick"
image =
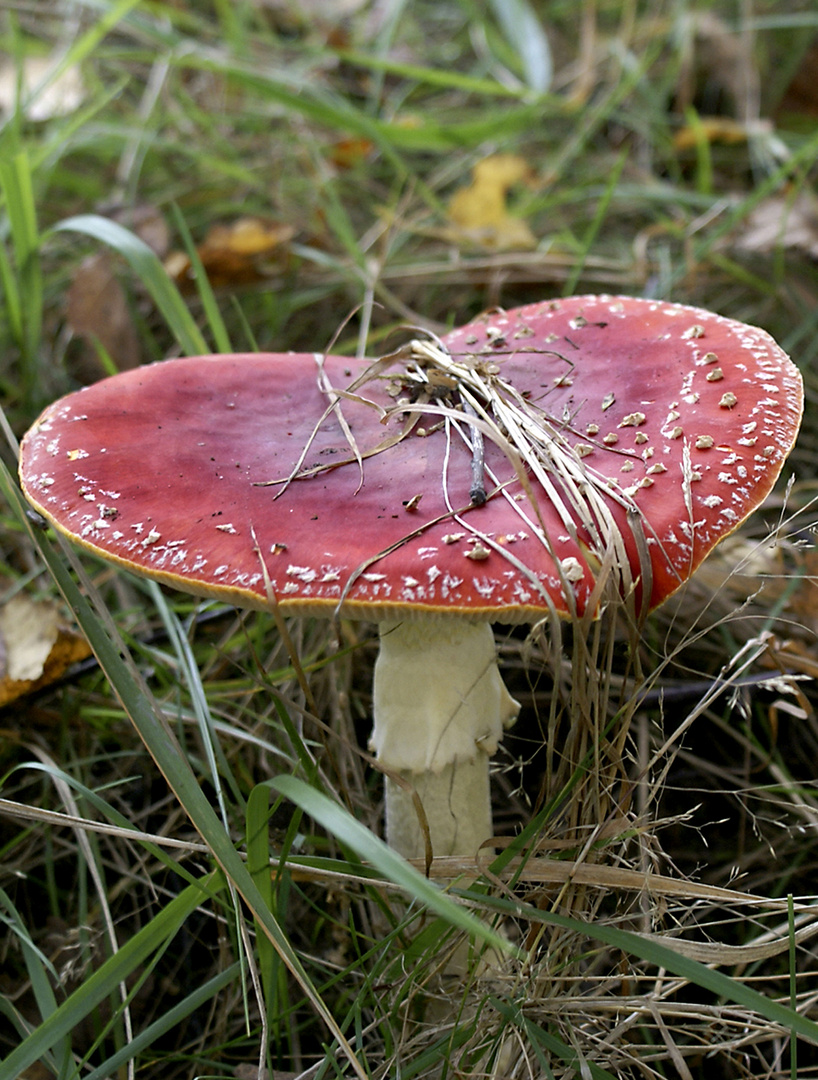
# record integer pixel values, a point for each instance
(477, 491)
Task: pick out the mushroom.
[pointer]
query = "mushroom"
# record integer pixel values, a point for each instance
(540, 461)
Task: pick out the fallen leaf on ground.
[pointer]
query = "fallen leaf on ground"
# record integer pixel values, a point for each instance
(713, 129)
(782, 222)
(249, 250)
(347, 153)
(717, 72)
(59, 98)
(97, 311)
(801, 96)
(36, 646)
(479, 212)
(739, 566)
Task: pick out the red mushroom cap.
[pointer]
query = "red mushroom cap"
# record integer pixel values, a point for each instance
(690, 414)
(678, 420)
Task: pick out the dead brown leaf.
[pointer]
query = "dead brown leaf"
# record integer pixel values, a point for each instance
(249, 250)
(782, 222)
(718, 74)
(347, 153)
(98, 313)
(801, 96)
(38, 646)
(479, 212)
(714, 129)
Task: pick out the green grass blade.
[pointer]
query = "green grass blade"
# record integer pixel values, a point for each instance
(258, 866)
(217, 764)
(145, 1039)
(96, 988)
(84, 46)
(801, 158)
(539, 1038)
(708, 978)
(664, 956)
(793, 959)
(337, 820)
(529, 41)
(25, 299)
(391, 136)
(441, 78)
(203, 287)
(148, 268)
(11, 295)
(593, 229)
(16, 182)
(15, 924)
(163, 746)
(41, 973)
(109, 813)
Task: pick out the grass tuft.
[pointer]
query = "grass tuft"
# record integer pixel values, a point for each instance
(191, 880)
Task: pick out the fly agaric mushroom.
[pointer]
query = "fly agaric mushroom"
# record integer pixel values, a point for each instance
(536, 461)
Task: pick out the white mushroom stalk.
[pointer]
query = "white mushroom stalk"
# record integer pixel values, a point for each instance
(440, 709)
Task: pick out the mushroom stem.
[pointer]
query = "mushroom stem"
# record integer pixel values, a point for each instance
(457, 803)
(440, 707)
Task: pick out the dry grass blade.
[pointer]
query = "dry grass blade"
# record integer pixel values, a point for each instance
(475, 396)
(335, 396)
(663, 767)
(582, 497)
(14, 809)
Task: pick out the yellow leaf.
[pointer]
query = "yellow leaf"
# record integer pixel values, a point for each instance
(711, 129)
(479, 212)
(248, 250)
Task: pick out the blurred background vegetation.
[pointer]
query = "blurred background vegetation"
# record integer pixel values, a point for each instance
(298, 174)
